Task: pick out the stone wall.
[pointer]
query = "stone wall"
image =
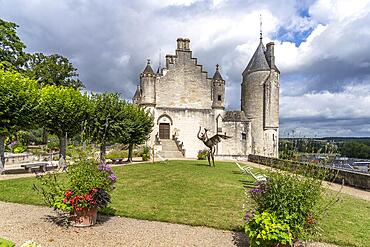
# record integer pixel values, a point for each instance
(349, 178)
(185, 125)
(184, 84)
(271, 101)
(252, 104)
(236, 145)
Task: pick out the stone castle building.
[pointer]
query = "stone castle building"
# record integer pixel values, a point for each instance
(181, 98)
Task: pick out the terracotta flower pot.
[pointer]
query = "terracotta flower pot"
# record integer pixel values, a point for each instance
(84, 218)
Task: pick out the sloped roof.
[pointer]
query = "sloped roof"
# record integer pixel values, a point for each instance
(148, 69)
(217, 75)
(258, 60)
(234, 116)
(137, 93)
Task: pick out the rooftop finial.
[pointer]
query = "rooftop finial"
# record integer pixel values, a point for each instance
(160, 56)
(261, 27)
(148, 61)
(217, 67)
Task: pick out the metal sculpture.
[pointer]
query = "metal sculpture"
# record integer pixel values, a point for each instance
(211, 143)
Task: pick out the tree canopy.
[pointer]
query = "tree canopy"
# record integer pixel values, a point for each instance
(107, 120)
(52, 70)
(18, 104)
(139, 124)
(11, 47)
(64, 111)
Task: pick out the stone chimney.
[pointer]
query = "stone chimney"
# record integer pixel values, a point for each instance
(270, 56)
(183, 44)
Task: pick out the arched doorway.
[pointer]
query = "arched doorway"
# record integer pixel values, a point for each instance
(164, 126)
(164, 131)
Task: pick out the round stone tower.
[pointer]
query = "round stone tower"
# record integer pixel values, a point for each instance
(260, 100)
(147, 86)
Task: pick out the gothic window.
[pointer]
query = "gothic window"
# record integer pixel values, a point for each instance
(219, 97)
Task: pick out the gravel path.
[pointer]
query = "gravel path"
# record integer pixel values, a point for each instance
(23, 222)
(20, 223)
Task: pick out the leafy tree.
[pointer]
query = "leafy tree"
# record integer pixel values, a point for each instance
(107, 120)
(355, 149)
(18, 105)
(53, 70)
(11, 46)
(64, 112)
(139, 124)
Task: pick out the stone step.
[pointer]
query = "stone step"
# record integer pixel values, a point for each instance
(171, 154)
(169, 145)
(170, 149)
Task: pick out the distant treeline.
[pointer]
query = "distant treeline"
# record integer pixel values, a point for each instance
(355, 149)
(351, 147)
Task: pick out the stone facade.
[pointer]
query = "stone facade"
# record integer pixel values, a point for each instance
(181, 98)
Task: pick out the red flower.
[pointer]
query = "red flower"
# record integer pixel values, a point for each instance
(65, 200)
(88, 197)
(68, 193)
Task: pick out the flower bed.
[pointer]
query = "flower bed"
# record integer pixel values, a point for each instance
(87, 186)
(285, 209)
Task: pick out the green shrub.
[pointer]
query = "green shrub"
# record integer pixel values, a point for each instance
(53, 143)
(291, 198)
(79, 152)
(146, 153)
(17, 149)
(6, 243)
(265, 229)
(202, 154)
(117, 154)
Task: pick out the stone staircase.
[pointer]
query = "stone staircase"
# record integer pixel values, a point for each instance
(170, 149)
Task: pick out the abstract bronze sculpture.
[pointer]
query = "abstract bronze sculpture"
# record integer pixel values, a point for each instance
(211, 143)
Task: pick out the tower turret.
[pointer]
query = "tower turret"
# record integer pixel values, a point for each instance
(218, 87)
(260, 100)
(147, 86)
(137, 96)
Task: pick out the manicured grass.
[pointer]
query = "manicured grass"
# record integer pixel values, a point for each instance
(190, 192)
(346, 223)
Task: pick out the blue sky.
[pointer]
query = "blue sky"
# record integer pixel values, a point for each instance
(322, 48)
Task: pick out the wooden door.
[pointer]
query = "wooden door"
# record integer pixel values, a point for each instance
(164, 131)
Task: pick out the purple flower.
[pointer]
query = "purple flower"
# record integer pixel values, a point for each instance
(249, 214)
(105, 167)
(12, 144)
(256, 191)
(112, 177)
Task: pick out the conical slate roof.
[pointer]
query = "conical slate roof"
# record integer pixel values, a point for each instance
(258, 61)
(217, 75)
(148, 69)
(137, 93)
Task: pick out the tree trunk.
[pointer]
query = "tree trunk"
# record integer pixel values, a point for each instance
(2, 155)
(62, 146)
(130, 147)
(103, 150)
(45, 136)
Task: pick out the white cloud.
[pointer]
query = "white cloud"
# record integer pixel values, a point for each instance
(353, 102)
(338, 10)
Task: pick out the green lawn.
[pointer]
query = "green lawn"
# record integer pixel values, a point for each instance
(190, 192)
